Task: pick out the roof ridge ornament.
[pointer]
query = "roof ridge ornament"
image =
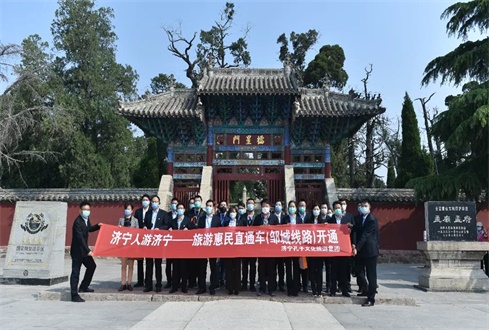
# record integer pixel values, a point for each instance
(326, 84)
(171, 83)
(287, 66)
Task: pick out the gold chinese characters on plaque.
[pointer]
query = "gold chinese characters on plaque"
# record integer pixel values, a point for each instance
(248, 140)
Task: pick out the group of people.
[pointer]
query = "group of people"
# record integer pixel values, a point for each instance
(290, 274)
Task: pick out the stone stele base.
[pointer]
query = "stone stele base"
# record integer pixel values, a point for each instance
(33, 281)
(453, 266)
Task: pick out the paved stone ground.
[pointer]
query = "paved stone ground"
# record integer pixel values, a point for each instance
(399, 306)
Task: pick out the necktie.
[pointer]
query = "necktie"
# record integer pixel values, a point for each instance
(249, 221)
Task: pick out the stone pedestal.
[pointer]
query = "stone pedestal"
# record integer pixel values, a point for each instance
(453, 266)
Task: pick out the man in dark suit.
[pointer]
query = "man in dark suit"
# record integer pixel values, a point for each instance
(80, 252)
(154, 220)
(223, 210)
(267, 273)
(282, 220)
(351, 221)
(140, 214)
(180, 273)
(248, 220)
(209, 220)
(194, 214)
(367, 249)
(339, 265)
(171, 215)
(303, 217)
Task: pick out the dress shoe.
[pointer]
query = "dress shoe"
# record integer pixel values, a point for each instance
(122, 288)
(77, 299)
(147, 289)
(86, 290)
(272, 294)
(362, 294)
(346, 294)
(305, 290)
(158, 289)
(167, 285)
(368, 303)
(173, 290)
(252, 288)
(184, 291)
(236, 292)
(200, 291)
(138, 285)
(258, 293)
(212, 291)
(129, 287)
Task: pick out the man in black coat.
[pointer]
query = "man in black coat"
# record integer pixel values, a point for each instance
(367, 251)
(209, 220)
(140, 214)
(282, 220)
(154, 220)
(194, 213)
(80, 252)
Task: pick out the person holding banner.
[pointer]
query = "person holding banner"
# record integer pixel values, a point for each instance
(248, 220)
(327, 264)
(316, 263)
(172, 214)
(155, 220)
(304, 217)
(282, 220)
(180, 273)
(140, 214)
(223, 215)
(80, 252)
(232, 265)
(127, 267)
(194, 214)
(209, 220)
(266, 266)
(292, 268)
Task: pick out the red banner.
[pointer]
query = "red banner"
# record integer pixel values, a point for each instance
(325, 240)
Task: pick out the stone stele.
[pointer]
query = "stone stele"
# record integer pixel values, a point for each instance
(35, 254)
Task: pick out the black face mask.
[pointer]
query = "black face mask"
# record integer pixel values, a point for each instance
(222, 209)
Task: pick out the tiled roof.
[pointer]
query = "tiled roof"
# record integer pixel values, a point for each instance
(377, 194)
(177, 103)
(318, 102)
(75, 195)
(247, 82)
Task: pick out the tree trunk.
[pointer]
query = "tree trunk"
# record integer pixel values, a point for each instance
(351, 161)
(428, 133)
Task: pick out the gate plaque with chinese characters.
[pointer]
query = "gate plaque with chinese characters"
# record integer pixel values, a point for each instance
(450, 221)
(36, 248)
(326, 240)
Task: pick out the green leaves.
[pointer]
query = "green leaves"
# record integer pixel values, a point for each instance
(329, 61)
(301, 43)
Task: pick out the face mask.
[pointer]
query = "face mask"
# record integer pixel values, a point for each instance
(250, 207)
(278, 208)
(343, 207)
(330, 213)
(291, 210)
(191, 206)
(155, 205)
(197, 204)
(145, 204)
(174, 207)
(324, 211)
(180, 211)
(85, 213)
(241, 211)
(127, 213)
(479, 228)
(232, 215)
(338, 212)
(265, 210)
(364, 210)
(208, 209)
(223, 209)
(359, 209)
(302, 209)
(315, 212)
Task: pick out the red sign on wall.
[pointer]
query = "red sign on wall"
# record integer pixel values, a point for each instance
(325, 240)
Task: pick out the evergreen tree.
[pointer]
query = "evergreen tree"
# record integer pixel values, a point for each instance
(412, 163)
(391, 173)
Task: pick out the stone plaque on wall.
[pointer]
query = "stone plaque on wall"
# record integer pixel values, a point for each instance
(450, 221)
(36, 247)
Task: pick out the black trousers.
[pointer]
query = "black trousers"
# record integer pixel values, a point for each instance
(292, 275)
(193, 272)
(281, 271)
(76, 263)
(203, 273)
(340, 267)
(327, 266)
(316, 274)
(149, 272)
(304, 273)
(180, 273)
(267, 274)
(245, 262)
(370, 264)
(168, 271)
(140, 265)
(233, 273)
(222, 270)
(485, 263)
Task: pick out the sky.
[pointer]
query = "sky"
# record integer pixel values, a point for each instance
(399, 38)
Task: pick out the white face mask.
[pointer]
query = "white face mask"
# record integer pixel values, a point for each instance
(343, 207)
(324, 211)
(265, 210)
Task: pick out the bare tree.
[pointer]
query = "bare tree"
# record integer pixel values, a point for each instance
(423, 102)
(369, 142)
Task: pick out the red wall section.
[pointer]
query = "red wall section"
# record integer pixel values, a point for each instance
(400, 225)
